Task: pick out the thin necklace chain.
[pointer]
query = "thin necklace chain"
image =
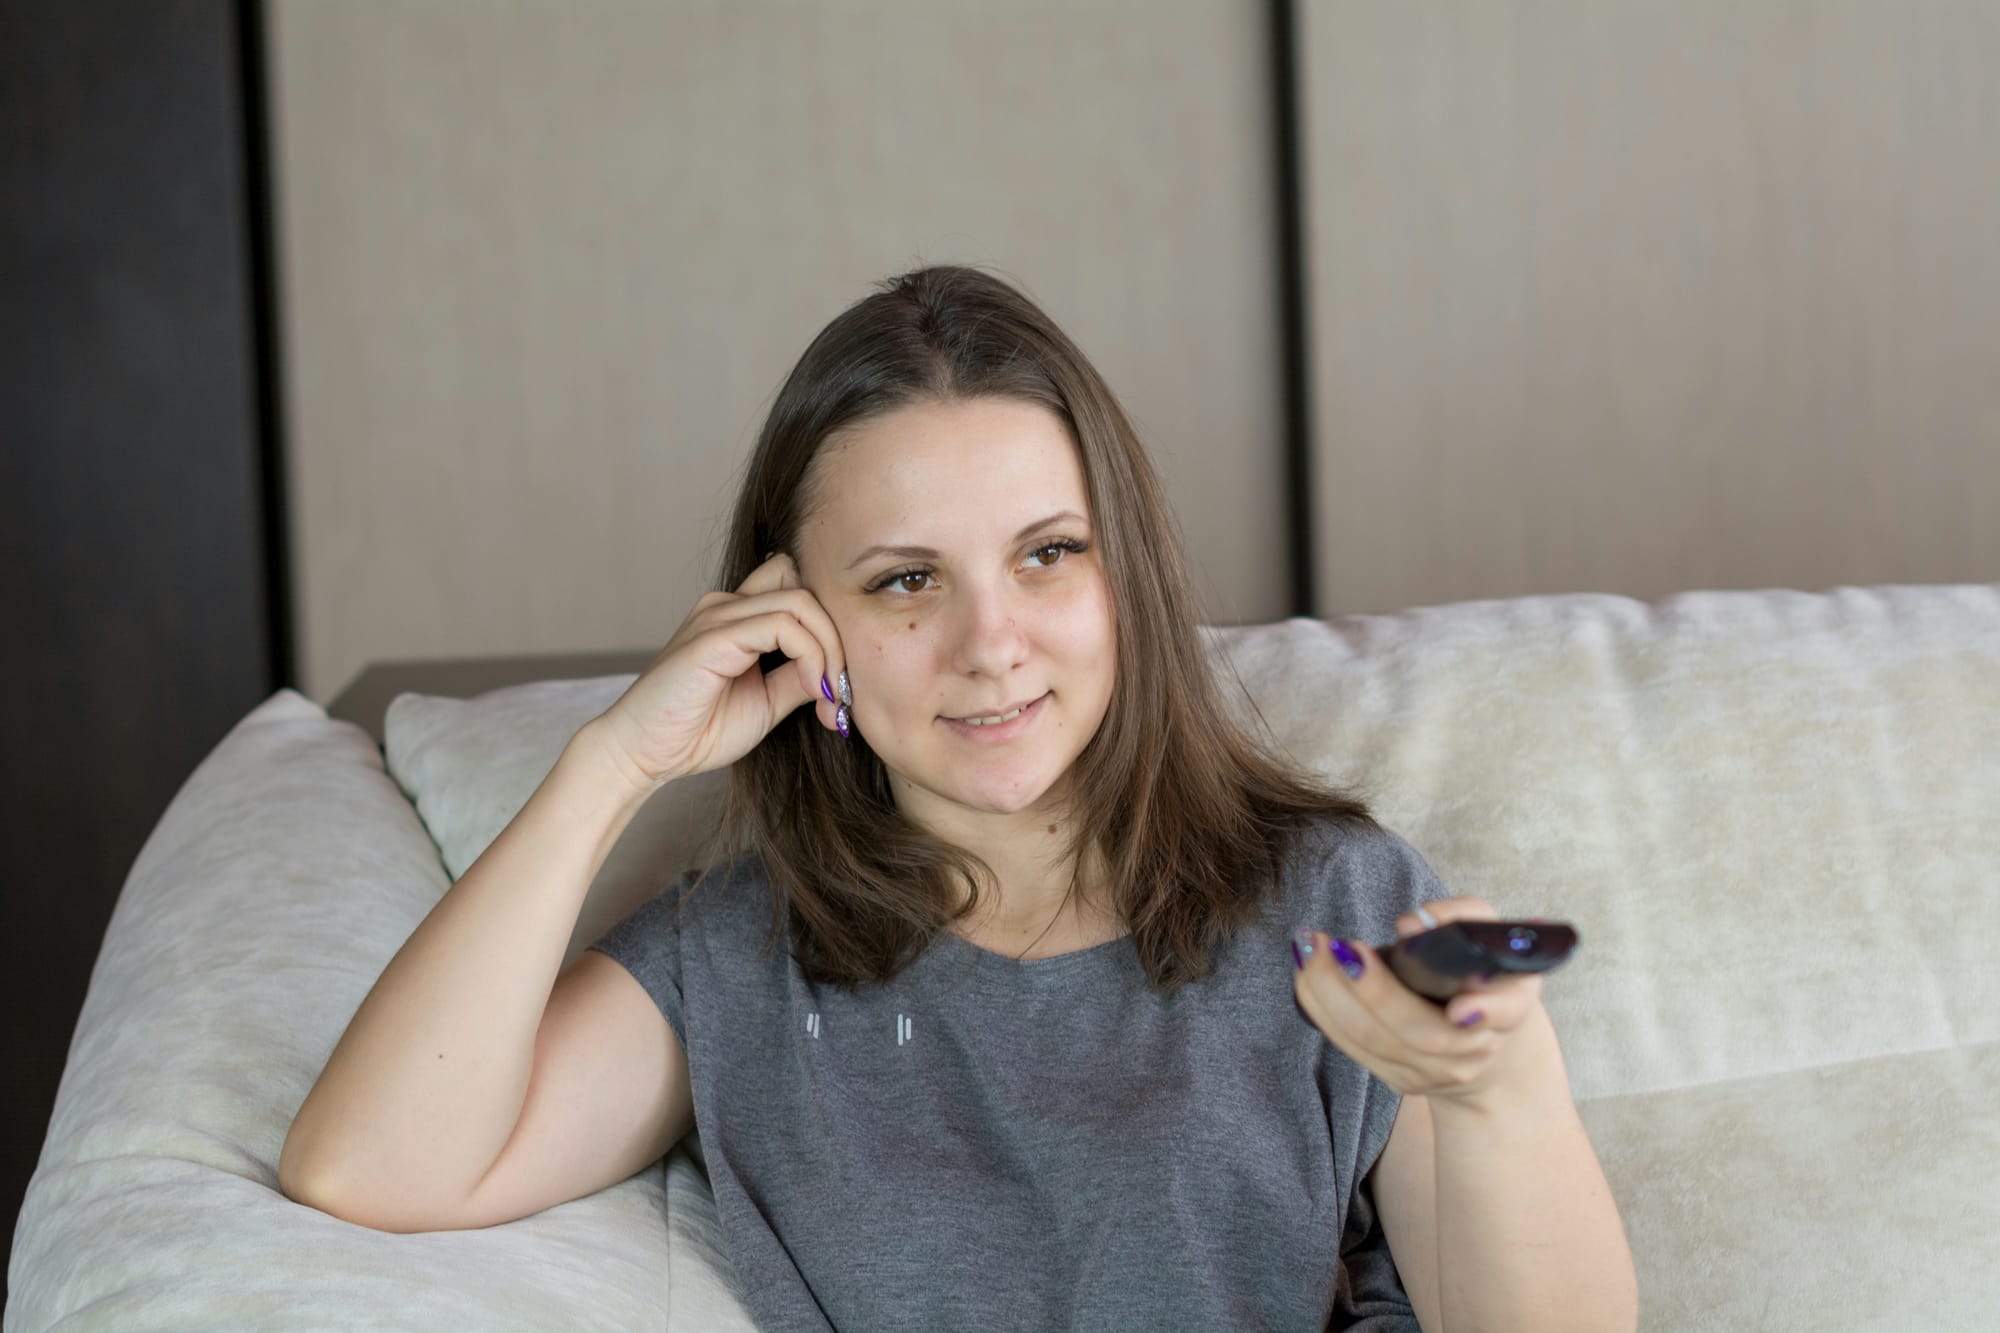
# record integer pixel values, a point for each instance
(1052, 920)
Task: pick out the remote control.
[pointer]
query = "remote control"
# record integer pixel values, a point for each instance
(1438, 963)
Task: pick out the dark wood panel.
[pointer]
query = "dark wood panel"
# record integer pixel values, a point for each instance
(132, 534)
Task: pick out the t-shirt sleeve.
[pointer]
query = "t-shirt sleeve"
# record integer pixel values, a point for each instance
(647, 943)
(1389, 877)
(1369, 1293)
(1365, 879)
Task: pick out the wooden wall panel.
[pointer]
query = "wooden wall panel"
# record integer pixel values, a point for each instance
(545, 266)
(1638, 297)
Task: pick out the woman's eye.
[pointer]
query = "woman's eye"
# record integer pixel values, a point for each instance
(1059, 548)
(899, 580)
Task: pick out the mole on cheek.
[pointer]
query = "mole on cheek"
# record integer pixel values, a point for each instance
(913, 624)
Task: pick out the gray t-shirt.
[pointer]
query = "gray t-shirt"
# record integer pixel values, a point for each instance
(997, 1144)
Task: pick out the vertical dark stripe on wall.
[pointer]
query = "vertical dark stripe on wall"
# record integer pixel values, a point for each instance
(265, 329)
(1293, 346)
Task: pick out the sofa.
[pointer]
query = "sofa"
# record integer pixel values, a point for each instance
(1773, 816)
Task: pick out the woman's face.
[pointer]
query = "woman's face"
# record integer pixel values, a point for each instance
(997, 600)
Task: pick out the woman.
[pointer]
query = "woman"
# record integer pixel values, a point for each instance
(1034, 1052)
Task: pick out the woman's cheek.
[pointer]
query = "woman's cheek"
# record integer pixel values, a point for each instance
(900, 651)
(1090, 612)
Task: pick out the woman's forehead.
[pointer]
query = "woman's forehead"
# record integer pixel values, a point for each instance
(939, 475)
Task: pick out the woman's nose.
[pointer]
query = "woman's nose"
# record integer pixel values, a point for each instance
(990, 640)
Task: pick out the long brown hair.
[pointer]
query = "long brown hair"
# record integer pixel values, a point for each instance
(1188, 813)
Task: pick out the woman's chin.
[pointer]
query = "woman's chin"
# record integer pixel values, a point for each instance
(1006, 798)
(991, 789)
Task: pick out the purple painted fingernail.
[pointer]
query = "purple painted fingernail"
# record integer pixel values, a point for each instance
(827, 690)
(846, 691)
(1350, 961)
(1302, 947)
(840, 720)
(1471, 1018)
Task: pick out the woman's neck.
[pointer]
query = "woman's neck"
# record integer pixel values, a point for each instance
(1046, 916)
(1035, 898)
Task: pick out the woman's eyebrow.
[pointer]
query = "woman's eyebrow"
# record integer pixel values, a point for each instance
(926, 553)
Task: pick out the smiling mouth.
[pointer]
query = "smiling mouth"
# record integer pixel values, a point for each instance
(996, 719)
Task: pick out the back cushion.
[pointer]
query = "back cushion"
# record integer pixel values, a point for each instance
(1768, 813)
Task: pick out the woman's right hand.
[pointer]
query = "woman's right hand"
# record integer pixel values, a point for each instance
(703, 703)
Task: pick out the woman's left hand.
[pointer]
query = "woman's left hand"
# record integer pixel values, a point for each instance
(1407, 1040)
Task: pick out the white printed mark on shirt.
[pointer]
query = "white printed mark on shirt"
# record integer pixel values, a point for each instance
(902, 1029)
(812, 1025)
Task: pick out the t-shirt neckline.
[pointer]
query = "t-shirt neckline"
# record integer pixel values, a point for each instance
(987, 959)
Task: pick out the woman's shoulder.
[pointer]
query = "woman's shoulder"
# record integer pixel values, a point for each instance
(1357, 870)
(721, 888)
(1317, 838)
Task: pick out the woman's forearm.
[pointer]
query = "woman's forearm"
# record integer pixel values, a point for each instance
(1528, 1235)
(425, 1086)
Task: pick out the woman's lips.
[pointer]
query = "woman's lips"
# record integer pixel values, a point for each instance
(999, 731)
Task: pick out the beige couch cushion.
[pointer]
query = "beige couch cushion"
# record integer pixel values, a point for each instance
(469, 765)
(279, 882)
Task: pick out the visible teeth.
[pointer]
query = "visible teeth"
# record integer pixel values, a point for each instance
(993, 721)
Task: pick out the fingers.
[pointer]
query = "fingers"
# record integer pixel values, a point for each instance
(769, 576)
(1503, 1002)
(732, 647)
(1405, 1039)
(1402, 1016)
(1348, 1023)
(1443, 910)
(774, 587)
